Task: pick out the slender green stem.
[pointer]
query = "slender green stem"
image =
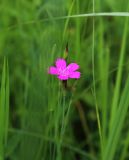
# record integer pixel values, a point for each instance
(93, 73)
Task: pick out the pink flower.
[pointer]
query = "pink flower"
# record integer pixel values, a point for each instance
(64, 72)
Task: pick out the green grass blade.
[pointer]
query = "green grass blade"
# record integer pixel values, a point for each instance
(78, 31)
(119, 73)
(7, 104)
(94, 86)
(4, 109)
(117, 126)
(103, 67)
(68, 19)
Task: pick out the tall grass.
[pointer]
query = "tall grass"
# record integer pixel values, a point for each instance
(44, 120)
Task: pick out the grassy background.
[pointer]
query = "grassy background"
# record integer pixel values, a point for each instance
(38, 119)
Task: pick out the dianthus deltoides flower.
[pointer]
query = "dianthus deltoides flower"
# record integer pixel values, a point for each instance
(64, 72)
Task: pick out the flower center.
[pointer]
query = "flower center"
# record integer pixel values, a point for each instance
(63, 72)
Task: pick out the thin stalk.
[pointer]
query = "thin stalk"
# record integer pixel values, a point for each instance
(93, 73)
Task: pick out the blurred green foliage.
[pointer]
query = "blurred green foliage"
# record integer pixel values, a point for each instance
(46, 122)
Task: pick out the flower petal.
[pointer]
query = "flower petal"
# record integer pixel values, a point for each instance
(60, 63)
(75, 75)
(53, 70)
(62, 77)
(72, 67)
